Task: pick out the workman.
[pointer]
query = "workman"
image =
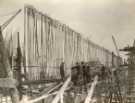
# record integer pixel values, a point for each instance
(62, 73)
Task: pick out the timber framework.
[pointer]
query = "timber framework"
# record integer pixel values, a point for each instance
(50, 63)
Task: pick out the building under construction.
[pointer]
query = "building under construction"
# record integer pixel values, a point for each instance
(52, 63)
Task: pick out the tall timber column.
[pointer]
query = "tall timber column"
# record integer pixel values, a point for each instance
(6, 75)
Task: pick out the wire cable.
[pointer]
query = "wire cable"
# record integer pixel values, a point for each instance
(8, 14)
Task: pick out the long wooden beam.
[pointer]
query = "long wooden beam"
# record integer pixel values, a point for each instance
(44, 96)
(61, 91)
(27, 82)
(91, 91)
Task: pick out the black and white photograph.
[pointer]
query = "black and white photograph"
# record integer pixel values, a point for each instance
(67, 51)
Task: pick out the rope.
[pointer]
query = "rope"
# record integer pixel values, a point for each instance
(8, 14)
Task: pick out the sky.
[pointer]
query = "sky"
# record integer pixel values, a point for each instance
(97, 20)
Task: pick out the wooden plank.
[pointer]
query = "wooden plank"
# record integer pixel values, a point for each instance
(40, 81)
(90, 92)
(61, 91)
(44, 96)
(51, 89)
(40, 98)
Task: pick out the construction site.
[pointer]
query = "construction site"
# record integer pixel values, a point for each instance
(49, 62)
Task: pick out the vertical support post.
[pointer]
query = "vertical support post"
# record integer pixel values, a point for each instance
(18, 60)
(61, 98)
(112, 59)
(25, 40)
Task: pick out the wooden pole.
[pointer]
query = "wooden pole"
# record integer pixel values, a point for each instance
(90, 92)
(61, 91)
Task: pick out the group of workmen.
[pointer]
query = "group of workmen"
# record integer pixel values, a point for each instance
(81, 72)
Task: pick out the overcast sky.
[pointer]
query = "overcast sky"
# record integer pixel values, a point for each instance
(96, 19)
